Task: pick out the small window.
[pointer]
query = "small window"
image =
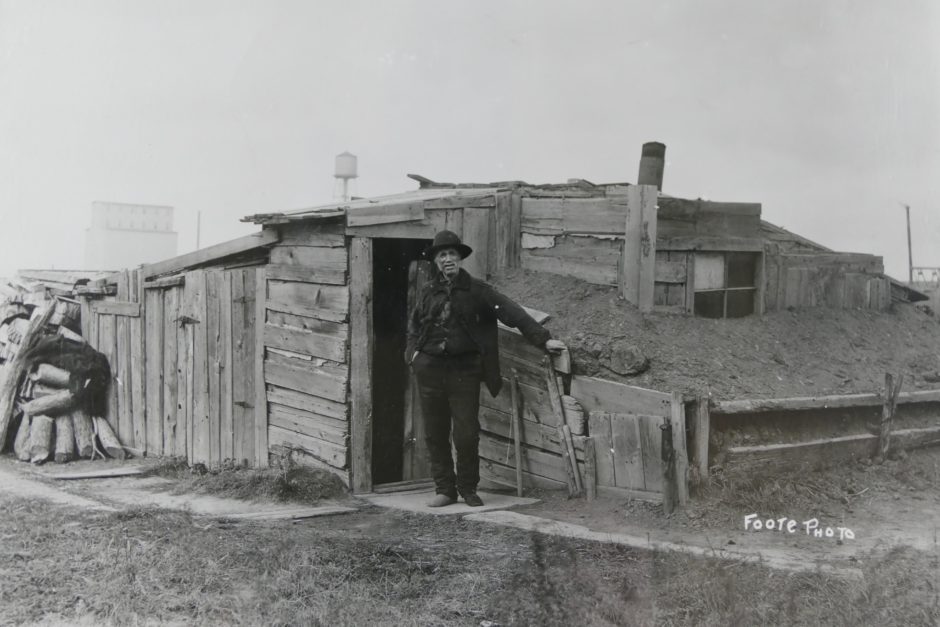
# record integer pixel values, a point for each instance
(725, 284)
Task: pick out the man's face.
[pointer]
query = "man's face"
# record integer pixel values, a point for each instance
(448, 261)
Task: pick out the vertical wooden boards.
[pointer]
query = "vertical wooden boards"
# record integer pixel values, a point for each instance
(361, 343)
(600, 430)
(125, 424)
(504, 242)
(476, 235)
(679, 446)
(243, 367)
(700, 433)
(651, 447)
(107, 345)
(628, 456)
(171, 342)
(257, 360)
(492, 244)
(515, 229)
(86, 320)
(199, 342)
(138, 364)
(185, 374)
(153, 364)
(226, 426)
(214, 364)
(639, 251)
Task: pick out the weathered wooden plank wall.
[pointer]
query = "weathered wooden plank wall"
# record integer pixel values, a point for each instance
(542, 462)
(305, 347)
(835, 280)
(607, 240)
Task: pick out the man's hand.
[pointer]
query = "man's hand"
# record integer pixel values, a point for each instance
(555, 346)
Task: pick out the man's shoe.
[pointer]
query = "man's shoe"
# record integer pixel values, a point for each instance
(472, 499)
(440, 500)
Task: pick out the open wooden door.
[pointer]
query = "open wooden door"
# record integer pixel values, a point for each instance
(415, 463)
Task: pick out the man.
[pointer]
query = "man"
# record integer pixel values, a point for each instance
(452, 346)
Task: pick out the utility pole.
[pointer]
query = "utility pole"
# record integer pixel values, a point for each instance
(910, 257)
(199, 224)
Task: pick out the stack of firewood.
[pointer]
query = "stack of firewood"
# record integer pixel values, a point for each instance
(52, 426)
(22, 301)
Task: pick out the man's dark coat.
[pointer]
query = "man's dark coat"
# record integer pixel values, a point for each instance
(477, 307)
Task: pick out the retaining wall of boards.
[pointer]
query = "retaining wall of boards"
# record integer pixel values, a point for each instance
(805, 432)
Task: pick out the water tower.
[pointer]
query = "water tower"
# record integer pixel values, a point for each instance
(346, 169)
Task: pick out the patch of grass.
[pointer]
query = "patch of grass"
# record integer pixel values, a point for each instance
(378, 567)
(289, 482)
(898, 588)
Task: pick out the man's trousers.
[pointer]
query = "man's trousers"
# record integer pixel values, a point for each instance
(449, 387)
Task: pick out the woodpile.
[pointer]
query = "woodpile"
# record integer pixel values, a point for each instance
(40, 402)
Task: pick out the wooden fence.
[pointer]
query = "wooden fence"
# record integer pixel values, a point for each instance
(807, 432)
(182, 352)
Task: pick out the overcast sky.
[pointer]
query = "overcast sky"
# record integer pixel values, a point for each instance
(825, 111)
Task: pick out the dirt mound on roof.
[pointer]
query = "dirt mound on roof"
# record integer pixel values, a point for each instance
(789, 353)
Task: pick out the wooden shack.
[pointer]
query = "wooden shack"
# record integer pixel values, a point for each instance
(288, 342)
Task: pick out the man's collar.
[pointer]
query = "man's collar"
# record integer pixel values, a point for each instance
(460, 282)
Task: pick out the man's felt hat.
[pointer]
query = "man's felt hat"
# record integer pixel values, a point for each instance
(447, 239)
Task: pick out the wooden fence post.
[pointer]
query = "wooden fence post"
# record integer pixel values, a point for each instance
(700, 431)
(677, 419)
(668, 456)
(892, 390)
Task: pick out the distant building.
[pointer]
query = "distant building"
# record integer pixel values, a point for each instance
(124, 235)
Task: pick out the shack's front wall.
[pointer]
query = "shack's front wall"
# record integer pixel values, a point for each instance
(306, 346)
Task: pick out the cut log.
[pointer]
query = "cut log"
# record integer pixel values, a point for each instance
(64, 439)
(84, 429)
(109, 441)
(51, 376)
(52, 404)
(14, 370)
(40, 439)
(72, 336)
(21, 444)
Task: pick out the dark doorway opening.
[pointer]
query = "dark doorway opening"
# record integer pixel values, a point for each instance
(391, 259)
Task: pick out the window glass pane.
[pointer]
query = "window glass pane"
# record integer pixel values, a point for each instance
(741, 303)
(709, 271)
(742, 269)
(710, 304)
